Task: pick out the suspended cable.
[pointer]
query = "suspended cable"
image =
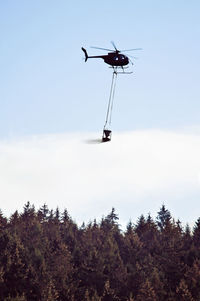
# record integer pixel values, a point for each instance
(107, 132)
(111, 100)
(113, 95)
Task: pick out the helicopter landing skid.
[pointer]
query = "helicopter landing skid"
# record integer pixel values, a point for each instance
(122, 72)
(115, 70)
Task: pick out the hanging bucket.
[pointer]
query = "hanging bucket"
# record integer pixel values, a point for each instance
(106, 135)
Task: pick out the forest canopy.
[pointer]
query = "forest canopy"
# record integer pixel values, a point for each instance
(46, 256)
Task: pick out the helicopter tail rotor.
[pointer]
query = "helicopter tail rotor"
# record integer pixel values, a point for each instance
(86, 55)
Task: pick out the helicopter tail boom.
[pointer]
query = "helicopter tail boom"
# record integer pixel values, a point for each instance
(86, 55)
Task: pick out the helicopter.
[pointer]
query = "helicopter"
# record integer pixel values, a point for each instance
(114, 58)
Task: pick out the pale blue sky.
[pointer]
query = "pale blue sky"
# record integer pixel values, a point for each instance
(46, 88)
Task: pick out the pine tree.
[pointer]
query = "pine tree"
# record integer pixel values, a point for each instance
(170, 251)
(183, 293)
(46, 256)
(129, 228)
(57, 215)
(14, 219)
(29, 210)
(3, 221)
(163, 218)
(146, 292)
(109, 294)
(43, 213)
(189, 250)
(148, 234)
(192, 279)
(112, 217)
(196, 233)
(15, 272)
(65, 217)
(110, 221)
(50, 293)
(140, 226)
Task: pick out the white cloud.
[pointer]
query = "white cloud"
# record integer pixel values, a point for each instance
(135, 173)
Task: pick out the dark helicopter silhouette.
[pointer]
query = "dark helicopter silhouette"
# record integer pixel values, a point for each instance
(113, 58)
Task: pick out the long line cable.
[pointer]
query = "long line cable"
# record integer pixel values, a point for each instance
(113, 95)
(111, 99)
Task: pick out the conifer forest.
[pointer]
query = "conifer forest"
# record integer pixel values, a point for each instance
(46, 256)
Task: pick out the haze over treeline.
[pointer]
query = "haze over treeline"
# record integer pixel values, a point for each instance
(46, 256)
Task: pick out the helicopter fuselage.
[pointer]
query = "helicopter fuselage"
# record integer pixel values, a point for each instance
(113, 59)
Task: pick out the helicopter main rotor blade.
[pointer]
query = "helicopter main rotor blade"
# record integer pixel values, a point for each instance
(130, 61)
(131, 49)
(134, 57)
(114, 45)
(101, 48)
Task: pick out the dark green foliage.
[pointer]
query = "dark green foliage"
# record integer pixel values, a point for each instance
(46, 256)
(163, 218)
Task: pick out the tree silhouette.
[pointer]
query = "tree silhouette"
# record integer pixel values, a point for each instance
(46, 256)
(163, 218)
